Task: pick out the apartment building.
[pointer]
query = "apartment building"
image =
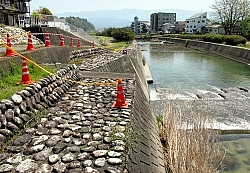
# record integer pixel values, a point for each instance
(14, 12)
(196, 23)
(139, 27)
(159, 20)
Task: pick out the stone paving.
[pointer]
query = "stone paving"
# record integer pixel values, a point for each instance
(81, 133)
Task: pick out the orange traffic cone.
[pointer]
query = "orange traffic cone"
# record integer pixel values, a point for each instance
(71, 42)
(9, 52)
(30, 45)
(93, 45)
(47, 40)
(25, 74)
(120, 98)
(62, 40)
(79, 43)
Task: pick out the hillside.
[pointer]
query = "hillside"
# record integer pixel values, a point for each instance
(80, 23)
(122, 18)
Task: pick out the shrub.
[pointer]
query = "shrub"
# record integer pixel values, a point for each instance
(234, 39)
(121, 34)
(215, 38)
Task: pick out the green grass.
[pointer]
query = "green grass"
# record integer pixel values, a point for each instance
(9, 79)
(245, 45)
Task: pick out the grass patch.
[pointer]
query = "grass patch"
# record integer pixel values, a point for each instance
(10, 78)
(116, 46)
(247, 45)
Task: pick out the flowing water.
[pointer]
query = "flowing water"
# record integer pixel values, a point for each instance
(182, 74)
(186, 71)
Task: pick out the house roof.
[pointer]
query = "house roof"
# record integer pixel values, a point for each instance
(196, 15)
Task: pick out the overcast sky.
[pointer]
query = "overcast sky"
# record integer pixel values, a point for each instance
(60, 6)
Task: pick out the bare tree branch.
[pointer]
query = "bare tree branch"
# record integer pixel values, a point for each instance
(230, 12)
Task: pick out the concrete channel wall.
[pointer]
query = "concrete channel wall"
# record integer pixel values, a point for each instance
(232, 52)
(146, 155)
(55, 54)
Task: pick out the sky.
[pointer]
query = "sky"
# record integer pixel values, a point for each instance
(61, 6)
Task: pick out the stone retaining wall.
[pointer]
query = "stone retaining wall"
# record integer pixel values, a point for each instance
(20, 108)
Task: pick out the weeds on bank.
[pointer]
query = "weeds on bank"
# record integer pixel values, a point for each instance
(10, 78)
(129, 137)
(189, 144)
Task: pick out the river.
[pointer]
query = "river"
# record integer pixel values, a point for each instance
(220, 86)
(185, 74)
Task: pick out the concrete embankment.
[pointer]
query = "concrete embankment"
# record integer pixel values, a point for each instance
(233, 52)
(80, 132)
(54, 36)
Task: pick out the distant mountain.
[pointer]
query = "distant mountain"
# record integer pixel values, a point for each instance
(122, 18)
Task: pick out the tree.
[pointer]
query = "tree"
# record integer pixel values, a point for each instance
(45, 11)
(43, 14)
(46, 14)
(245, 27)
(230, 12)
(121, 34)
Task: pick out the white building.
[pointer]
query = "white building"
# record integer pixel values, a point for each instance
(215, 29)
(59, 23)
(139, 27)
(196, 23)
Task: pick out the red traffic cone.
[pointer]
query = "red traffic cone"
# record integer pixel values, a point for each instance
(30, 45)
(79, 43)
(9, 52)
(62, 40)
(71, 42)
(93, 45)
(120, 98)
(25, 74)
(47, 40)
